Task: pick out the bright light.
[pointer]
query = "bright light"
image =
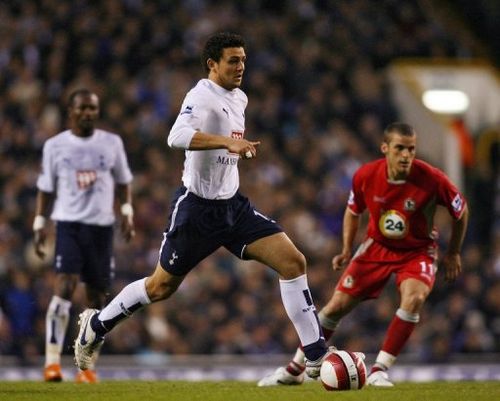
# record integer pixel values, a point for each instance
(446, 101)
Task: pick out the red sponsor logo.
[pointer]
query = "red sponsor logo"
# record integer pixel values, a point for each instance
(86, 178)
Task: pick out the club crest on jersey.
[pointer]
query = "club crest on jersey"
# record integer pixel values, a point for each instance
(86, 178)
(410, 205)
(348, 282)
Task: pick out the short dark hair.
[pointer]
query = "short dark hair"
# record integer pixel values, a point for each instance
(216, 44)
(398, 128)
(78, 92)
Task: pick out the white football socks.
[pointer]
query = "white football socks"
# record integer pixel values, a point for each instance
(299, 357)
(300, 309)
(130, 299)
(408, 316)
(384, 360)
(56, 324)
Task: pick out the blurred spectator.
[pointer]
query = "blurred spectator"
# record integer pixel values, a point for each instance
(21, 311)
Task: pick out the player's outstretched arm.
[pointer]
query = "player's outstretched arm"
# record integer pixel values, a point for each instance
(452, 262)
(124, 192)
(349, 230)
(43, 203)
(205, 141)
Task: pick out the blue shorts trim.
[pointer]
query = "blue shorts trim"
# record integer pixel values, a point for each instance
(198, 227)
(86, 250)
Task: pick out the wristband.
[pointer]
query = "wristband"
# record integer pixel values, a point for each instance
(127, 209)
(39, 222)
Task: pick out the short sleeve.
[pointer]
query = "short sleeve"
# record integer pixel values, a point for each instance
(449, 196)
(46, 178)
(121, 169)
(356, 202)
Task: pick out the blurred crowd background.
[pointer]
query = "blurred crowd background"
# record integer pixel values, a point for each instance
(318, 101)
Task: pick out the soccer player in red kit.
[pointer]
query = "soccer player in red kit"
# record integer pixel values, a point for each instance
(401, 194)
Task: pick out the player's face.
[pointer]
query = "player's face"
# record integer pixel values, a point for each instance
(83, 113)
(399, 153)
(228, 71)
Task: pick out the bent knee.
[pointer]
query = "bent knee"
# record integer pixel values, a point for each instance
(293, 266)
(413, 302)
(159, 288)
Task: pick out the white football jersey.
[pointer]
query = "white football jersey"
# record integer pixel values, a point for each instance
(83, 173)
(210, 174)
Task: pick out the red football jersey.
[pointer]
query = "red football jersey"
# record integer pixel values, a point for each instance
(402, 212)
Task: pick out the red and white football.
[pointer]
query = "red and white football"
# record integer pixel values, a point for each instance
(343, 370)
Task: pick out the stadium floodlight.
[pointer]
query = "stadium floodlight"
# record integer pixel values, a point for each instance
(446, 101)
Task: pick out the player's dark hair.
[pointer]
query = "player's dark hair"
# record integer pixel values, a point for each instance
(216, 44)
(78, 92)
(398, 128)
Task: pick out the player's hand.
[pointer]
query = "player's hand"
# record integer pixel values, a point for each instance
(340, 261)
(39, 242)
(127, 227)
(246, 149)
(452, 266)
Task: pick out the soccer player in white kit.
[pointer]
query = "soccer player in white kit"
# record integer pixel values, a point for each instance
(208, 211)
(80, 169)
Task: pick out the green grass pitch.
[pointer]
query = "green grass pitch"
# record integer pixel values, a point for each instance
(242, 391)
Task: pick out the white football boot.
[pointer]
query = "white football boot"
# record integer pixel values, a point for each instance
(379, 379)
(313, 367)
(88, 343)
(281, 376)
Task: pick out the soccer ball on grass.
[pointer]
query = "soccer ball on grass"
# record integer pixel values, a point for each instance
(343, 370)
